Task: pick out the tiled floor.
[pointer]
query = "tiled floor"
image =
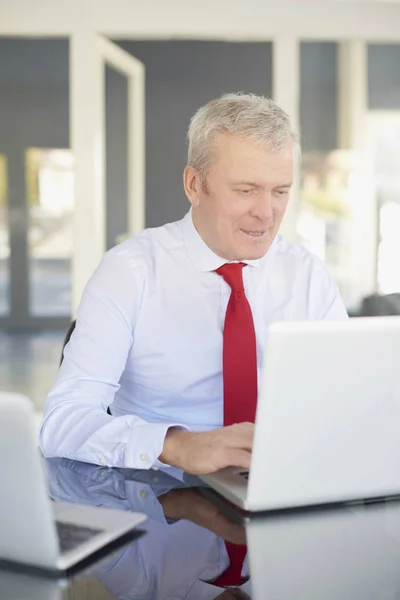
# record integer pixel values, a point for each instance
(29, 363)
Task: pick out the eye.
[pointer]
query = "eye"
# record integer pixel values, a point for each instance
(245, 192)
(282, 193)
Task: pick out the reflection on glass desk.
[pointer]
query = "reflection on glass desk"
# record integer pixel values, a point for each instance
(344, 552)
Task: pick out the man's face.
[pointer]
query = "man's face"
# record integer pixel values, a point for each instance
(239, 208)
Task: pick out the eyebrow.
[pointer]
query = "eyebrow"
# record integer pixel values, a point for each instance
(257, 185)
(249, 183)
(285, 185)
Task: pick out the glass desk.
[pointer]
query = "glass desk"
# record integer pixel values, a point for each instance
(344, 552)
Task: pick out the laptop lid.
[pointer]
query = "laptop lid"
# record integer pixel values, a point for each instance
(26, 522)
(328, 415)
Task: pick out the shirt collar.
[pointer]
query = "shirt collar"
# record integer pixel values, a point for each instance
(203, 258)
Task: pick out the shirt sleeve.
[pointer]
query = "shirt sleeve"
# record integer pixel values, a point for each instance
(325, 301)
(76, 424)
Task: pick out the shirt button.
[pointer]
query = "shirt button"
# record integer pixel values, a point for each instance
(143, 457)
(155, 479)
(102, 461)
(102, 473)
(143, 494)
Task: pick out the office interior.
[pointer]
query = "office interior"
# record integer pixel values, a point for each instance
(95, 100)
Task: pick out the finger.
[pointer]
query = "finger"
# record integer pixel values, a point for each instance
(241, 437)
(247, 424)
(244, 428)
(236, 457)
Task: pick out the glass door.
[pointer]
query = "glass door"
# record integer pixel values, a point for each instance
(55, 163)
(35, 234)
(99, 157)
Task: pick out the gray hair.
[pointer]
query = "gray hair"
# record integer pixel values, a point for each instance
(256, 118)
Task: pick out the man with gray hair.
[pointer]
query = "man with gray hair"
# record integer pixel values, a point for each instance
(171, 328)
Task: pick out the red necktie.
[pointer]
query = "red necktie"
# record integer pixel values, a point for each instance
(240, 385)
(232, 576)
(239, 353)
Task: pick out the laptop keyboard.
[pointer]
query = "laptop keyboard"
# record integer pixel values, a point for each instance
(71, 536)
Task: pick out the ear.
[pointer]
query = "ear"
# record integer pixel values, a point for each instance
(192, 186)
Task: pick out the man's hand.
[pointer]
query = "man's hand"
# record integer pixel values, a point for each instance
(188, 504)
(205, 452)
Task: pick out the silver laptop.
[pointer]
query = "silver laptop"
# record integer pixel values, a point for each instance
(34, 530)
(328, 417)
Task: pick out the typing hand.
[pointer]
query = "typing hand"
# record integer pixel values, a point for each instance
(190, 505)
(205, 452)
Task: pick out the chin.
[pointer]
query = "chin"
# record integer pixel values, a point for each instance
(256, 251)
(255, 255)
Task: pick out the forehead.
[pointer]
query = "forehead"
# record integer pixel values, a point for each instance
(240, 157)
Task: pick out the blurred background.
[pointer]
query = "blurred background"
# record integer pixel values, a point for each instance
(95, 100)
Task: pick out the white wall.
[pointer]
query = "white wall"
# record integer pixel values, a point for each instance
(252, 19)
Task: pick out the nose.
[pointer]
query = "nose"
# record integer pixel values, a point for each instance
(262, 208)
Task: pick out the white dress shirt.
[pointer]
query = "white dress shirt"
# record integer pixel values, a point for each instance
(149, 336)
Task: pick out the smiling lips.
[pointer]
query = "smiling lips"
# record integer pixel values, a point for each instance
(254, 233)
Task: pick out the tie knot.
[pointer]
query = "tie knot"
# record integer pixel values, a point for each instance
(232, 273)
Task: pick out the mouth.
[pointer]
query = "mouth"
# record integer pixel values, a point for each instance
(253, 233)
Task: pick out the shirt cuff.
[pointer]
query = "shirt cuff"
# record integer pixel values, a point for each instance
(145, 445)
(141, 498)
